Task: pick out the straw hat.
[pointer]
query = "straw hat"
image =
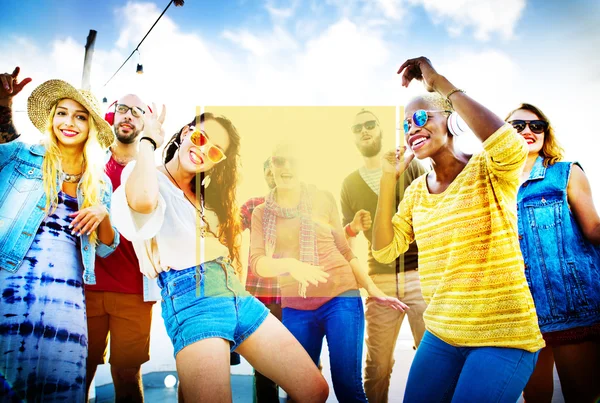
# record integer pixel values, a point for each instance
(43, 98)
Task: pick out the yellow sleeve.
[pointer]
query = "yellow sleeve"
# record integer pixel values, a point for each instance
(403, 230)
(506, 152)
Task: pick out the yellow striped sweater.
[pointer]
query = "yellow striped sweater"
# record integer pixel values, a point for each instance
(470, 264)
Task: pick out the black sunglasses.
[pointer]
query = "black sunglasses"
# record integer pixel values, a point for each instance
(536, 126)
(369, 125)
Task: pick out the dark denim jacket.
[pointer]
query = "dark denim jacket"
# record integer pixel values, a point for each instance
(562, 267)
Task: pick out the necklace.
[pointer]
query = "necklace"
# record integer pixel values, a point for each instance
(178, 187)
(72, 178)
(202, 229)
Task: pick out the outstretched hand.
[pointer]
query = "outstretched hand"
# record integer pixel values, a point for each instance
(10, 85)
(419, 69)
(305, 274)
(391, 302)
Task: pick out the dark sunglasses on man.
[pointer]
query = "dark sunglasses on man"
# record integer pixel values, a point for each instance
(369, 125)
(536, 126)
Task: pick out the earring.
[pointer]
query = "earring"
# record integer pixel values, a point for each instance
(206, 181)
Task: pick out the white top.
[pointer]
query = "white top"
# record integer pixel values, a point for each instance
(170, 235)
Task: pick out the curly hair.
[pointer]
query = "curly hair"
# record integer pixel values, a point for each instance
(220, 196)
(551, 151)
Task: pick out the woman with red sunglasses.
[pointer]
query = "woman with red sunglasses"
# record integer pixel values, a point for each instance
(482, 337)
(183, 220)
(559, 230)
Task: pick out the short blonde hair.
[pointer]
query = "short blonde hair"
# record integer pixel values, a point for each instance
(551, 151)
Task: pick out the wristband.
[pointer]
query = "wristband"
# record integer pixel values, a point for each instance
(150, 140)
(452, 92)
(349, 231)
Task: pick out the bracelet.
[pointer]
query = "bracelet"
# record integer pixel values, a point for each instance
(150, 140)
(452, 92)
(349, 231)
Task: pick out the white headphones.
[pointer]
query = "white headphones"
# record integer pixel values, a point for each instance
(456, 125)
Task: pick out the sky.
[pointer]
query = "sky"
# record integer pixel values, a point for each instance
(317, 54)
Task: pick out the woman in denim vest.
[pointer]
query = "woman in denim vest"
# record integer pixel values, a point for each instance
(559, 229)
(54, 219)
(182, 217)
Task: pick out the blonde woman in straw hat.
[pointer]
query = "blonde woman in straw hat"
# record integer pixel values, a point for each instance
(54, 219)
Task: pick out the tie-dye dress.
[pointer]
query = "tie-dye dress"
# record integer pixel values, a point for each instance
(43, 331)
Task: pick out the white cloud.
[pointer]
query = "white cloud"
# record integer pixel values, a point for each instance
(484, 16)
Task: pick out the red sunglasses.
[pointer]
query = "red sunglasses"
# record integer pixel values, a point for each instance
(199, 138)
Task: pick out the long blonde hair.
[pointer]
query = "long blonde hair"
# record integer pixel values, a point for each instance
(93, 169)
(551, 151)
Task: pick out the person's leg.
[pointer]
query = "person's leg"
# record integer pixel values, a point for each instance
(494, 374)
(267, 390)
(345, 346)
(130, 322)
(97, 324)
(434, 371)
(274, 352)
(203, 370)
(578, 366)
(540, 387)
(413, 297)
(306, 329)
(382, 325)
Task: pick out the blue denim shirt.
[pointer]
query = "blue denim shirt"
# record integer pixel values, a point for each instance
(561, 266)
(23, 203)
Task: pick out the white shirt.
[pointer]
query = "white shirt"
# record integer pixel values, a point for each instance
(170, 235)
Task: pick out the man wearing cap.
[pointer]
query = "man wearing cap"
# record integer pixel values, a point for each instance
(360, 191)
(117, 304)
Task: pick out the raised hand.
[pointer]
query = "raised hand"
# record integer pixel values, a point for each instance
(10, 86)
(362, 221)
(419, 69)
(397, 161)
(153, 122)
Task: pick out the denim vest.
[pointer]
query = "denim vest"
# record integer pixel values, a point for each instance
(561, 266)
(23, 203)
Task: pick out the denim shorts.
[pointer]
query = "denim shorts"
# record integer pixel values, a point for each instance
(208, 301)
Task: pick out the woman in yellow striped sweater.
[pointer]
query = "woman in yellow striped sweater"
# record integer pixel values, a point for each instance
(482, 337)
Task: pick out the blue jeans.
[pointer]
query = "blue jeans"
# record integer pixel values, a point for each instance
(444, 373)
(342, 322)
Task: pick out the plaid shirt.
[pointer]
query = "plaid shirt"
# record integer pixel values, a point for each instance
(265, 289)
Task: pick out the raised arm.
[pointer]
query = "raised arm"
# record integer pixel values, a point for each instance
(394, 164)
(141, 188)
(9, 87)
(480, 119)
